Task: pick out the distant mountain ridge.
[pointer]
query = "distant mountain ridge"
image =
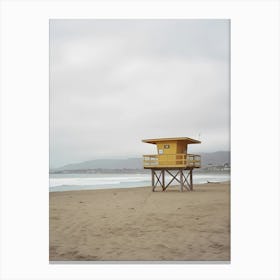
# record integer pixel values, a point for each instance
(133, 163)
(215, 159)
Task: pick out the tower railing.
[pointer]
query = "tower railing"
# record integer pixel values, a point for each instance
(172, 160)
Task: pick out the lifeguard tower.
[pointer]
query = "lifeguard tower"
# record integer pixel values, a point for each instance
(172, 156)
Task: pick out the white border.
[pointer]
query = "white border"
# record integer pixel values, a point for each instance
(254, 132)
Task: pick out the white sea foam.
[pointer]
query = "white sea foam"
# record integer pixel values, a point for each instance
(63, 182)
(95, 181)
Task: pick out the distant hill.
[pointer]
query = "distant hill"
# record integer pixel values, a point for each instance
(216, 158)
(129, 163)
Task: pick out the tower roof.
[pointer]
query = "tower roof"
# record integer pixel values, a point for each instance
(183, 139)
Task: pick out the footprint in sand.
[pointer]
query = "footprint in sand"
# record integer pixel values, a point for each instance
(161, 246)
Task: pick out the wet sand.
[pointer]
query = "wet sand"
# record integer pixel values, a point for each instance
(137, 224)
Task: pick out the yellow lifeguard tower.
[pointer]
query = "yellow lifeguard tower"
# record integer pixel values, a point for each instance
(172, 155)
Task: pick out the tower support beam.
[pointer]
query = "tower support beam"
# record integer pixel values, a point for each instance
(183, 176)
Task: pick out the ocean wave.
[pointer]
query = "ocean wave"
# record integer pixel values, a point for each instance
(63, 182)
(95, 181)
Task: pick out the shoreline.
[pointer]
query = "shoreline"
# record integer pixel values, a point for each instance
(136, 224)
(104, 187)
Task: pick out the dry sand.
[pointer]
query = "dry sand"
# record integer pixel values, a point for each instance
(137, 224)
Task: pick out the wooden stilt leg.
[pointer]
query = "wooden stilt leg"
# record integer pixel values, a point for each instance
(159, 178)
(163, 180)
(153, 179)
(181, 181)
(191, 180)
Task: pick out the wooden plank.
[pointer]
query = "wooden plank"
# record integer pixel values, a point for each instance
(161, 166)
(191, 180)
(170, 167)
(158, 178)
(186, 140)
(174, 178)
(163, 180)
(187, 186)
(181, 180)
(153, 178)
(184, 179)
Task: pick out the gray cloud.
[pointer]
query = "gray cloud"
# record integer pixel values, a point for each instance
(115, 82)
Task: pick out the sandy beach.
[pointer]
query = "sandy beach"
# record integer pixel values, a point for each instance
(137, 224)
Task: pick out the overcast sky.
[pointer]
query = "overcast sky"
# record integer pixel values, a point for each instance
(116, 82)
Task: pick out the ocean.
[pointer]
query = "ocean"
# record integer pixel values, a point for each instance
(71, 182)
